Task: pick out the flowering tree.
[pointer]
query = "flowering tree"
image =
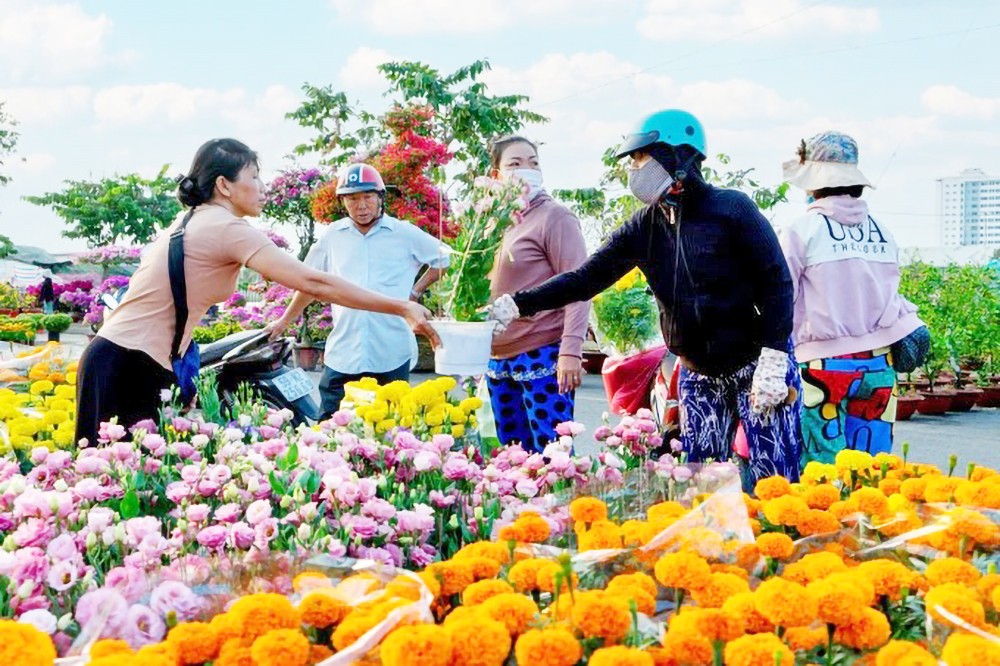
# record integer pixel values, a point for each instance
(407, 163)
(110, 256)
(288, 202)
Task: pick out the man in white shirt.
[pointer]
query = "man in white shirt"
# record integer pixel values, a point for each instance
(379, 252)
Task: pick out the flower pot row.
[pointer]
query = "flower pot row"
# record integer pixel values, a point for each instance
(936, 403)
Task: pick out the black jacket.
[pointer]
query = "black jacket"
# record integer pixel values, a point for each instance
(718, 275)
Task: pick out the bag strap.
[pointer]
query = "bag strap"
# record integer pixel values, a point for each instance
(178, 284)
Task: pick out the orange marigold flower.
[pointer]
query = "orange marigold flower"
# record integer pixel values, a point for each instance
(353, 627)
(482, 567)
(322, 609)
(742, 605)
(588, 510)
(258, 614)
(126, 659)
(888, 577)
(821, 496)
(772, 487)
(952, 570)
(288, 647)
(870, 501)
(523, 575)
(665, 511)
(645, 602)
(734, 569)
(775, 545)
(957, 600)
(602, 538)
(234, 654)
(818, 522)
(549, 573)
(869, 630)
(718, 588)
(785, 603)
(913, 489)
(532, 528)
(454, 575)
(553, 646)
(688, 648)
(970, 650)
(758, 650)
(973, 525)
(837, 600)
(638, 579)
(403, 587)
(752, 505)
(417, 645)
(805, 638)
(515, 611)
(713, 623)
(108, 646)
(942, 489)
(682, 570)
(318, 653)
(748, 556)
(597, 614)
(904, 653)
(228, 627)
(510, 532)
(195, 642)
(785, 510)
(620, 656)
(23, 645)
(482, 590)
(889, 486)
(159, 654)
(479, 642)
(814, 567)
(494, 551)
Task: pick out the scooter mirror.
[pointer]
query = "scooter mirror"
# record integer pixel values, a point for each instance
(110, 302)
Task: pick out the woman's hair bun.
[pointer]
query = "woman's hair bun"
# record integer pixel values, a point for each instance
(187, 191)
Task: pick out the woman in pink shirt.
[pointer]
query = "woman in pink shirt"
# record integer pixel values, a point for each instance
(536, 365)
(847, 307)
(125, 368)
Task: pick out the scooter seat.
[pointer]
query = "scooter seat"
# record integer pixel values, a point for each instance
(214, 351)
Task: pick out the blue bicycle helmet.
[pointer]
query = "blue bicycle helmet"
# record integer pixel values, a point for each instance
(673, 127)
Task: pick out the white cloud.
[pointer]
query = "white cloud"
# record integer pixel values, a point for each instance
(710, 20)
(32, 106)
(734, 99)
(31, 163)
(953, 101)
(137, 104)
(557, 75)
(360, 68)
(40, 39)
(407, 17)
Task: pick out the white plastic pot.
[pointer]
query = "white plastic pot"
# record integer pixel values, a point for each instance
(465, 347)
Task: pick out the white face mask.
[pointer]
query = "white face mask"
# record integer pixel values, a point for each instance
(532, 178)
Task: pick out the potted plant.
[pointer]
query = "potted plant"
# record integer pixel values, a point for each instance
(465, 289)
(908, 399)
(56, 324)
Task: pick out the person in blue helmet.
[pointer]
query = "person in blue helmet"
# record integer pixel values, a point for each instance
(724, 293)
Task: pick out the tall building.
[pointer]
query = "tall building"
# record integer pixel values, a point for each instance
(969, 209)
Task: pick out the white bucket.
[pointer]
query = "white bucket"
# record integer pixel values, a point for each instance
(465, 347)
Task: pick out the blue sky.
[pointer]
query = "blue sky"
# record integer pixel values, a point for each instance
(119, 86)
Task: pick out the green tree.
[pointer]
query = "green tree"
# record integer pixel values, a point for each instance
(6, 247)
(8, 140)
(466, 115)
(125, 208)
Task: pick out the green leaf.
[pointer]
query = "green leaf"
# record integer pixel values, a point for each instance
(129, 507)
(278, 486)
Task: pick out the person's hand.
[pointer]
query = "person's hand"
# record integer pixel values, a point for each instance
(417, 316)
(770, 384)
(504, 311)
(276, 328)
(569, 372)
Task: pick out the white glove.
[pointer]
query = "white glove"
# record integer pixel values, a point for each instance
(770, 386)
(504, 311)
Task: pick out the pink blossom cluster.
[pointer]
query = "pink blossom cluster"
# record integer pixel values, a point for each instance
(110, 254)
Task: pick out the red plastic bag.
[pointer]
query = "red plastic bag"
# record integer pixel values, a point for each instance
(627, 379)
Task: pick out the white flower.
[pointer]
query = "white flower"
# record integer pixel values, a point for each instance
(40, 619)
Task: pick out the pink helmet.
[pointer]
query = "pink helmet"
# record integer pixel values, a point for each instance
(359, 178)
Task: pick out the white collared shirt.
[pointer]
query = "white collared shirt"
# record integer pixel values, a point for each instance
(385, 260)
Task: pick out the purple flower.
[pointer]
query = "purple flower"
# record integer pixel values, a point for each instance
(129, 581)
(143, 626)
(105, 608)
(214, 537)
(379, 509)
(63, 575)
(242, 536)
(174, 597)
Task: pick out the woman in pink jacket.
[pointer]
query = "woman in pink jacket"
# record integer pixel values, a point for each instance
(847, 308)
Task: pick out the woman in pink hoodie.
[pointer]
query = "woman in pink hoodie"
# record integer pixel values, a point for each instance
(847, 306)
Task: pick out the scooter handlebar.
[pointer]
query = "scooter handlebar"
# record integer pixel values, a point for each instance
(250, 342)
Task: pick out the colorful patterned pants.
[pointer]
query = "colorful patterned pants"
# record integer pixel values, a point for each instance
(850, 402)
(524, 394)
(711, 408)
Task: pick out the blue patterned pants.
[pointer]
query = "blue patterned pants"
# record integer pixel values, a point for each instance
(711, 407)
(524, 394)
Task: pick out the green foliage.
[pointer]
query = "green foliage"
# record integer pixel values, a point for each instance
(104, 212)
(6, 247)
(626, 314)
(10, 297)
(961, 307)
(207, 334)
(467, 116)
(13, 330)
(465, 289)
(8, 140)
(765, 198)
(56, 323)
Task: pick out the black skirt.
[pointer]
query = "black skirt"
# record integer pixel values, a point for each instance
(115, 381)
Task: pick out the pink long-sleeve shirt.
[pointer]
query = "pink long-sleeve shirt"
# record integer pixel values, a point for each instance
(845, 276)
(547, 242)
